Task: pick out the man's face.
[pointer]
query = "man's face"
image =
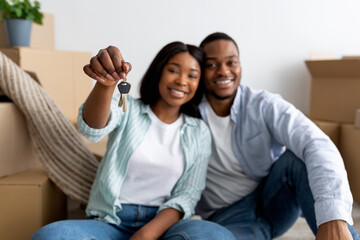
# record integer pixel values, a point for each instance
(222, 69)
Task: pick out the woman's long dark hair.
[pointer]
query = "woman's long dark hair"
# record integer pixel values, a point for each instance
(149, 88)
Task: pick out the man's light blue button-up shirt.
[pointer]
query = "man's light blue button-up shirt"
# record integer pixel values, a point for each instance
(264, 125)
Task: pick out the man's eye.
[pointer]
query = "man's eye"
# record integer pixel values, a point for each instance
(231, 63)
(210, 65)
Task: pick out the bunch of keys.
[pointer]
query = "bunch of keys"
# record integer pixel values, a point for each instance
(124, 88)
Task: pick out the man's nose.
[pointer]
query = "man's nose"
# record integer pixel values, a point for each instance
(223, 69)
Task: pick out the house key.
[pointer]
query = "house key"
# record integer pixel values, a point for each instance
(124, 88)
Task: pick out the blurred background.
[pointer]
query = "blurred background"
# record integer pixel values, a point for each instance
(274, 37)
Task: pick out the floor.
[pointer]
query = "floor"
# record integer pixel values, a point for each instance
(300, 230)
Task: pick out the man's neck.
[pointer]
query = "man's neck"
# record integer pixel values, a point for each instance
(221, 107)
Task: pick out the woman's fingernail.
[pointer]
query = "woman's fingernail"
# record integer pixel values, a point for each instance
(109, 77)
(115, 75)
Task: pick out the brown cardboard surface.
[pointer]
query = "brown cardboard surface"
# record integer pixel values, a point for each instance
(17, 151)
(59, 72)
(357, 119)
(30, 200)
(332, 129)
(42, 36)
(350, 151)
(335, 89)
(98, 148)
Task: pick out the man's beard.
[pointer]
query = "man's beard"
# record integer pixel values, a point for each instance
(212, 93)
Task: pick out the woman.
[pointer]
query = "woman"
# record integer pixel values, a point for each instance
(154, 168)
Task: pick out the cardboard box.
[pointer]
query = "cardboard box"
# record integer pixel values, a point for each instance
(28, 201)
(42, 36)
(98, 148)
(17, 151)
(332, 129)
(350, 151)
(334, 89)
(357, 119)
(59, 72)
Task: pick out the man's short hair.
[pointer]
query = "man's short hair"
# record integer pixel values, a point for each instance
(217, 36)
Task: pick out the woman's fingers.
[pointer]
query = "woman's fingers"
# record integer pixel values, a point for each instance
(88, 71)
(108, 66)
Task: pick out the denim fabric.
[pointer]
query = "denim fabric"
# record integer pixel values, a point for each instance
(275, 205)
(133, 218)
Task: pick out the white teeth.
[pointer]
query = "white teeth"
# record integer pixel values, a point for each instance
(177, 92)
(223, 81)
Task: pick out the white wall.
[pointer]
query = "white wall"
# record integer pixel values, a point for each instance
(274, 36)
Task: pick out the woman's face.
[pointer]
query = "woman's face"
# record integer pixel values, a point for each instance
(179, 80)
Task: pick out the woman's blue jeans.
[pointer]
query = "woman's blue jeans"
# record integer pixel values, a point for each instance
(133, 217)
(275, 205)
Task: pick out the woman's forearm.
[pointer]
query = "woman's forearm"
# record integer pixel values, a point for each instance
(97, 106)
(159, 225)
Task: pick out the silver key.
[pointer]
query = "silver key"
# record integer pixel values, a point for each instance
(124, 88)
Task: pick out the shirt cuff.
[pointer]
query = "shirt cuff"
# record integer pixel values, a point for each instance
(94, 134)
(333, 209)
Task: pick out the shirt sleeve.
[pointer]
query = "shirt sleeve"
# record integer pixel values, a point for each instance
(326, 170)
(188, 190)
(94, 134)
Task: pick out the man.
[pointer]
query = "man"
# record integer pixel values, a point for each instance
(270, 163)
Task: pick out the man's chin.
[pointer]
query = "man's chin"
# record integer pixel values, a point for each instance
(222, 97)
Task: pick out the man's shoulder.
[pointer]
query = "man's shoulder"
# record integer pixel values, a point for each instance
(252, 93)
(250, 96)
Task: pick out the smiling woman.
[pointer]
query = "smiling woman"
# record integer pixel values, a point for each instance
(154, 169)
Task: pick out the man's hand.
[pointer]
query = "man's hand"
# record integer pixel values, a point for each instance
(336, 230)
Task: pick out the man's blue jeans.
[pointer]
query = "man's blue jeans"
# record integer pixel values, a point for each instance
(133, 217)
(275, 205)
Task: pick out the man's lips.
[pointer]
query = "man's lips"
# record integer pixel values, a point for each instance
(224, 83)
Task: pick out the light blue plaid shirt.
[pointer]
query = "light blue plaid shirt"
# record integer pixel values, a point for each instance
(126, 132)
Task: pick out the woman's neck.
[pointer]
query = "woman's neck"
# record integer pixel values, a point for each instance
(166, 114)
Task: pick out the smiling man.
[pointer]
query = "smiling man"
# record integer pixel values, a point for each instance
(269, 164)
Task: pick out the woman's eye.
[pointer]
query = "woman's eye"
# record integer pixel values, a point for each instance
(172, 70)
(192, 76)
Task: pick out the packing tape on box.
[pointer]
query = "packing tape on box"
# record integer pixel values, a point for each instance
(357, 119)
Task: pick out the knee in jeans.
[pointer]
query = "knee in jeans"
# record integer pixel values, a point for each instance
(198, 229)
(293, 163)
(51, 231)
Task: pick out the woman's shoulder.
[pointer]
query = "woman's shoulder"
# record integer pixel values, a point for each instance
(197, 124)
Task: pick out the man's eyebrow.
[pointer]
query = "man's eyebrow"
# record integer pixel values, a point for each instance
(178, 65)
(214, 58)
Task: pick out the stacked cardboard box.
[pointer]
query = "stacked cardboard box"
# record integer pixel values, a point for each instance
(335, 101)
(59, 72)
(29, 200)
(17, 151)
(27, 197)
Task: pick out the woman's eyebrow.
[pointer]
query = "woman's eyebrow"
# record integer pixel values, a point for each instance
(179, 65)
